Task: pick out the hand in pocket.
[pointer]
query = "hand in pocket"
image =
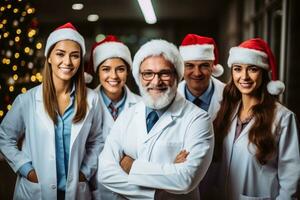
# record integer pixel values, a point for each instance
(32, 177)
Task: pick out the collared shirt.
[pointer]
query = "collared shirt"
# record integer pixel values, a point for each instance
(240, 125)
(158, 112)
(62, 142)
(118, 105)
(205, 97)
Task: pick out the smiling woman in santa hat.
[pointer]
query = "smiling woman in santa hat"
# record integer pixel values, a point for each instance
(256, 136)
(61, 122)
(111, 61)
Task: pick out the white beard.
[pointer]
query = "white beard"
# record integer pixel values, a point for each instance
(160, 101)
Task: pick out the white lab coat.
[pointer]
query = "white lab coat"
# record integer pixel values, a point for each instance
(28, 116)
(207, 184)
(244, 178)
(182, 126)
(215, 99)
(131, 99)
(108, 121)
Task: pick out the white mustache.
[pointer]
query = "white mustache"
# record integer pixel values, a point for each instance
(155, 87)
(164, 99)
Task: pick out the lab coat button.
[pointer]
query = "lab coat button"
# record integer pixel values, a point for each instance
(53, 187)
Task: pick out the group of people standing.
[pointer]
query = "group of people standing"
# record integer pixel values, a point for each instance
(188, 136)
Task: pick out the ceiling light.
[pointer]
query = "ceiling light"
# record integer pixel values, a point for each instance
(77, 6)
(93, 17)
(148, 11)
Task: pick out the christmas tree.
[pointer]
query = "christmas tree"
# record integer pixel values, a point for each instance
(18, 48)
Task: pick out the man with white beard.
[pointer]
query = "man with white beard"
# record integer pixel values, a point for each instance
(161, 147)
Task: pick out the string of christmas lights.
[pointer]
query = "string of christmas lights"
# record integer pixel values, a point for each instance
(18, 47)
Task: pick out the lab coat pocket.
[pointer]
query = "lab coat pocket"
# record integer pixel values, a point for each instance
(244, 197)
(27, 190)
(83, 191)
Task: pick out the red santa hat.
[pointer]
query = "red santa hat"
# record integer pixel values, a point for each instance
(195, 47)
(257, 52)
(65, 32)
(110, 47)
(155, 48)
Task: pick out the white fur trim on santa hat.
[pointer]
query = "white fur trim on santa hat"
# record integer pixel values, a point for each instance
(87, 77)
(197, 52)
(240, 55)
(155, 48)
(111, 50)
(218, 70)
(275, 87)
(64, 34)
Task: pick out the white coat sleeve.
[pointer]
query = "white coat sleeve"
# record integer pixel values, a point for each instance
(11, 130)
(110, 173)
(94, 143)
(183, 177)
(288, 158)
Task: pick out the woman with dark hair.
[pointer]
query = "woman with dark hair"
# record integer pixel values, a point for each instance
(111, 61)
(61, 123)
(256, 136)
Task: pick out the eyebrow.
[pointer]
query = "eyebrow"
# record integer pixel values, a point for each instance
(111, 67)
(65, 51)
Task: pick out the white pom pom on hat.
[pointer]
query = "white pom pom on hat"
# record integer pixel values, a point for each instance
(65, 32)
(88, 71)
(196, 47)
(257, 52)
(276, 87)
(87, 77)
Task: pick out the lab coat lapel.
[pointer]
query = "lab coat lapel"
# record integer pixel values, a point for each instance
(216, 98)
(131, 99)
(245, 131)
(232, 129)
(167, 118)
(76, 127)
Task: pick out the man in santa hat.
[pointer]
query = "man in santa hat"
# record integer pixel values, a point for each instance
(144, 154)
(200, 56)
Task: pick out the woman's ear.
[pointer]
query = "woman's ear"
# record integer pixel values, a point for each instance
(49, 60)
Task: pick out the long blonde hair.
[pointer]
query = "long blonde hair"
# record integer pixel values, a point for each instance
(49, 94)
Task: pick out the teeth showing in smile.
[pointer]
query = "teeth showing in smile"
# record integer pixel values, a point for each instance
(113, 83)
(246, 85)
(65, 70)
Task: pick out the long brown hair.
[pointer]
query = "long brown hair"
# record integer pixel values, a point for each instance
(260, 133)
(49, 94)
